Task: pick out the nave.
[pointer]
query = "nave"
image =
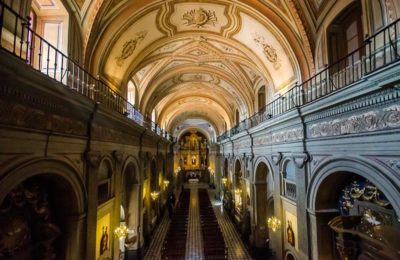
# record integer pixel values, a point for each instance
(194, 236)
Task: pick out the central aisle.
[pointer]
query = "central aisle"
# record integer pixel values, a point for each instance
(194, 242)
(194, 239)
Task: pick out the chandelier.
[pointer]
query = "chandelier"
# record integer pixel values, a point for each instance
(154, 195)
(273, 223)
(121, 231)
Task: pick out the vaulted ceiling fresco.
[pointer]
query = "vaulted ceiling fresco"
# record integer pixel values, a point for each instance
(199, 59)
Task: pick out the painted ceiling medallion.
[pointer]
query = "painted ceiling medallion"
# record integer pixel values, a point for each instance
(200, 18)
(269, 51)
(129, 47)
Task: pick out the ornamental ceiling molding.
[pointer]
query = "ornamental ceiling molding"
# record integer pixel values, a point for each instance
(129, 47)
(190, 17)
(268, 50)
(179, 117)
(220, 100)
(243, 98)
(200, 18)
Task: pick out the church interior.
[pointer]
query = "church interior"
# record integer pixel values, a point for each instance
(199, 129)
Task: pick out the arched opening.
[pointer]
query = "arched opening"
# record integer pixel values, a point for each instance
(261, 99)
(263, 208)
(289, 256)
(352, 216)
(36, 218)
(345, 35)
(130, 205)
(131, 93)
(237, 117)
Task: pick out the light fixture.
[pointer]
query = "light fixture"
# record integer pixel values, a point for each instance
(166, 183)
(238, 192)
(154, 195)
(273, 223)
(224, 180)
(121, 231)
(177, 170)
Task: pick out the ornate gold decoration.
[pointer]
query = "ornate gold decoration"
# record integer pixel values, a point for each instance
(200, 18)
(269, 51)
(129, 47)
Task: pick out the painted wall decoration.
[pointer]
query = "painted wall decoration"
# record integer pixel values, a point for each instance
(129, 47)
(200, 18)
(269, 51)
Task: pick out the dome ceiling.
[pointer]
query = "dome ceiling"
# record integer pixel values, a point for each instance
(199, 59)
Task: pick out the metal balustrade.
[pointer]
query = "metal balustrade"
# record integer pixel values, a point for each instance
(378, 51)
(17, 37)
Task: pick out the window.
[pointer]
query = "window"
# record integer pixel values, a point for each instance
(345, 34)
(131, 92)
(261, 99)
(104, 183)
(289, 181)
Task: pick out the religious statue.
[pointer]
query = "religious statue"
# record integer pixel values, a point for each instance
(104, 241)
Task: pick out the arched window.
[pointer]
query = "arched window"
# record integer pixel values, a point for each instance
(237, 117)
(345, 35)
(104, 183)
(377, 15)
(131, 92)
(261, 99)
(289, 181)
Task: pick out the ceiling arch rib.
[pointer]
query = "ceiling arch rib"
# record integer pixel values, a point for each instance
(197, 107)
(212, 97)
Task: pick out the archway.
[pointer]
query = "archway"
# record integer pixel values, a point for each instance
(130, 204)
(349, 211)
(38, 217)
(261, 233)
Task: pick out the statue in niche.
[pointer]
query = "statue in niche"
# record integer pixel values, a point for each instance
(193, 160)
(290, 233)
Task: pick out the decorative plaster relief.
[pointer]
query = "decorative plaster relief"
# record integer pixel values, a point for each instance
(129, 47)
(288, 135)
(199, 18)
(367, 122)
(269, 51)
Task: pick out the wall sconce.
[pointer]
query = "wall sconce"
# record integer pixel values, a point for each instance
(224, 180)
(238, 192)
(154, 195)
(273, 223)
(166, 183)
(177, 170)
(121, 232)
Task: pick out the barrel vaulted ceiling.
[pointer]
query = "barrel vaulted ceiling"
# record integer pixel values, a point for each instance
(199, 59)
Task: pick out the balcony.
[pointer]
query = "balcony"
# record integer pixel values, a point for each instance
(17, 38)
(378, 52)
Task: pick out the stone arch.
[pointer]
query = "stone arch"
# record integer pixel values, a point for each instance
(263, 185)
(380, 176)
(131, 201)
(324, 191)
(65, 193)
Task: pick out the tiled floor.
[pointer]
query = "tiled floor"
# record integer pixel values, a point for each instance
(194, 245)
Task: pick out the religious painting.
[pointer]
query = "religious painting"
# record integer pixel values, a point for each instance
(290, 234)
(103, 239)
(291, 229)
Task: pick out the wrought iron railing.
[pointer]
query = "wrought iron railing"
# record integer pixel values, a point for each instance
(18, 38)
(378, 51)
